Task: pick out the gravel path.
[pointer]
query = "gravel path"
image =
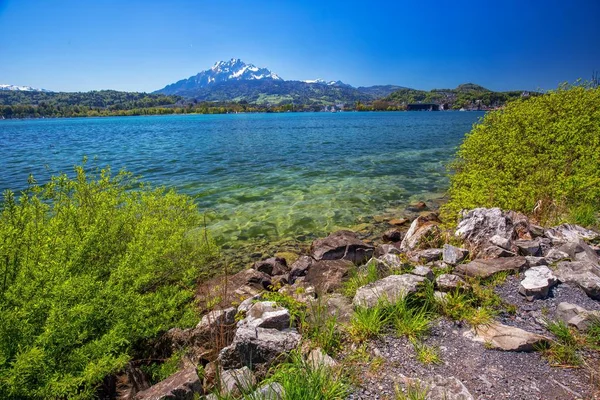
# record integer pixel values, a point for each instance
(487, 374)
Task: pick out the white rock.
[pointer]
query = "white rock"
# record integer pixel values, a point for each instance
(537, 283)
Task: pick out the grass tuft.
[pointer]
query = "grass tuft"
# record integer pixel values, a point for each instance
(367, 323)
(426, 354)
(301, 381)
(414, 391)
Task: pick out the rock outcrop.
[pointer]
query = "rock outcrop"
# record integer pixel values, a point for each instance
(480, 225)
(574, 315)
(487, 268)
(252, 346)
(450, 282)
(182, 385)
(582, 274)
(507, 338)
(391, 288)
(422, 229)
(341, 245)
(453, 255)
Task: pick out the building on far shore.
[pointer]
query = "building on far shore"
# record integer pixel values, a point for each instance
(422, 107)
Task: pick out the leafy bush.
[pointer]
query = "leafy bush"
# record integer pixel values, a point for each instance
(91, 268)
(539, 156)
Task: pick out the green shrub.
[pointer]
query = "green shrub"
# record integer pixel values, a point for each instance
(539, 156)
(90, 269)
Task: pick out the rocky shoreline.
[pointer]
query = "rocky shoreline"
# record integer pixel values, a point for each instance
(537, 279)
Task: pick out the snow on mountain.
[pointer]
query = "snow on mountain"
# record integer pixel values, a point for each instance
(319, 80)
(22, 88)
(232, 70)
(328, 83)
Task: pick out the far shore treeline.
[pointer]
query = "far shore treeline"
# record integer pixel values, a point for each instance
(16, 104)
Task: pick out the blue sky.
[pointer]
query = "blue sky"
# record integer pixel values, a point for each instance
(80, 45)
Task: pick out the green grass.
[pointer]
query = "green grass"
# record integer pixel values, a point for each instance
(368, 323)
(321, 328)
(414, 391)
(303, 382)
(563, 351)
(426, 354)
(361, 277)
(592, 336)
(410, 322)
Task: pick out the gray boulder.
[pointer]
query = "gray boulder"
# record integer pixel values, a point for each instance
(426, 256)
(268, 315)
(387, 263)
(536, 261)
(502, 242)
(299, 268)
(424, 226)
(252, 346)
(454, 255)
(341, 245)
(270, 391)
(234, 382)
(533, 247)
(391, 288)
(216, 319)
(494, 251)
(425, 272)
(338, 306)
(272, 266)
(570, 233)
(580, 251)
(487, 268)
(326, 276)
(574, 315)
(537, 283)
(583, 274)
(450, 282)
(182, 385)
(478, 226)
(319, 359)
(554, 255)
(384, 249)
(507, 338)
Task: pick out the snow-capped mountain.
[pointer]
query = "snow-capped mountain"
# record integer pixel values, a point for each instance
(328, 83)
(223, 71)
(22, 88)
(234, 80)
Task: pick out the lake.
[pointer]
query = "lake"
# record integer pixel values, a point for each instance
(258, 176)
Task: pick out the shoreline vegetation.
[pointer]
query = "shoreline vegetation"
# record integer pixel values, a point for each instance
(23, 105)
(105, 279)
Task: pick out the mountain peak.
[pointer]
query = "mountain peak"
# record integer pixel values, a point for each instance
(21, 88)
(222, 71)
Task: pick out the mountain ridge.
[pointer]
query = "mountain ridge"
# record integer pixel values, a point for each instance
(230, 81)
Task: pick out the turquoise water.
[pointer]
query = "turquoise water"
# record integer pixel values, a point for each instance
(260, 176)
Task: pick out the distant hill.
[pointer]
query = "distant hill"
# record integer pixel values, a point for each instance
(467, 95)
(235, 80)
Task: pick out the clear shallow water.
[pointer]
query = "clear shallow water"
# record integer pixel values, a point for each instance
(269, 176)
